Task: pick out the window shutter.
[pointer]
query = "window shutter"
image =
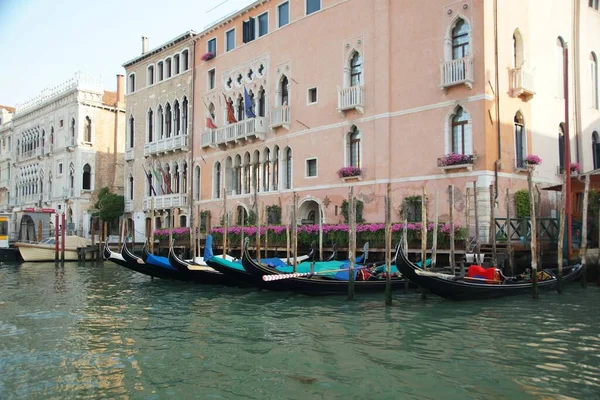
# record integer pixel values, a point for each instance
(245, 27)
(251, 29)
(468, 138)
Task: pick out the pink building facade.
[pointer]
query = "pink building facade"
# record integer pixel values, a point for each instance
(287, 93)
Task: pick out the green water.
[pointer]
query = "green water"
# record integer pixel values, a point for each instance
(106, 332)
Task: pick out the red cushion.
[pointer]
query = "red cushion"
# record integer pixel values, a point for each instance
(479, 271)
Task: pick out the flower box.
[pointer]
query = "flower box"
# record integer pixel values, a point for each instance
(456, 161)
(208, 56)
(347, 179)
(349, 172)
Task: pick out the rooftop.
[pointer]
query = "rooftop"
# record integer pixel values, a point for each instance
(160, 48)
(7, 108)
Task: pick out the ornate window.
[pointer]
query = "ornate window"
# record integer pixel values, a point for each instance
(87, 177)
(353, 144)
(460, 136)
(356, 68)
(460, 39)
(520, 140)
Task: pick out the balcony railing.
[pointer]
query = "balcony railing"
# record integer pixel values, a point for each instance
(249, 129)
(128, 205)
(351, 98)
(165, 145)
(280, 117)
(129, 154)
(166, 201)
(457, 72)
(522, 83)
(72, 142)
(29, 154)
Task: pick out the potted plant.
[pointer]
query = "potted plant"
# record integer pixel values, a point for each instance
(208, 56)
(456, 159)
(575, 168)
(532, 160)
(350, 173)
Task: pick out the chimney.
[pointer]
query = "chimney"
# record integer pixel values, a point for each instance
(144, 44)
(120, 89)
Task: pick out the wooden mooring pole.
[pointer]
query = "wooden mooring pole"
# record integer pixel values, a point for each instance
(493, 225)
(295, 231)
(226, 223)
(561, 233)
(257, 213)
(509, 235)
(477, 243)
(351, 243)
(584, 223)
(320, 232)
(242, 231)
(435, 232)
(388, 245)
(451, 215)
(533, 232)
(56, 225)
(468, 228)
(405, 247)
(151, 244)
(424, 234)
(63, 237)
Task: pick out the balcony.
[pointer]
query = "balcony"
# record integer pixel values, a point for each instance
(522, 83)
(280, 117)
(4, 184)
(246, 130)
(29, 154)
(129, 154)
(457, 72)
(166, 145)
(47, 149)
(71, 143)
(351, 98)
(128, 205)
(166, 201)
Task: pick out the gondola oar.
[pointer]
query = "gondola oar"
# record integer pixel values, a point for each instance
(268, 278)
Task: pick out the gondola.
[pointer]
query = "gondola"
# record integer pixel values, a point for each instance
(201, 274)
(109, 255)
(137, 264)
(315, 285)
(459, 289)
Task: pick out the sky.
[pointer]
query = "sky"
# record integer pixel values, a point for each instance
(45, 42)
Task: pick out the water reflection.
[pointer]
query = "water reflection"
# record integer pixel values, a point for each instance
(93, 332)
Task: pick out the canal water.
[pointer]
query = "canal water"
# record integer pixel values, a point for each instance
(90, 332)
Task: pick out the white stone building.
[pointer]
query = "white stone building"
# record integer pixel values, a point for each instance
(62, 146)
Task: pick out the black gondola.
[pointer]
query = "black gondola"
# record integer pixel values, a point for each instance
(456, 288)
(202, 274)
(137, 264)
(117, 258)
(315, 285)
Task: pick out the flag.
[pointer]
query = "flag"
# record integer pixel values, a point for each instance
(149, 178)
(210, 124)
(248, 105)
(230, 114)
(165, 179)
(158, 179)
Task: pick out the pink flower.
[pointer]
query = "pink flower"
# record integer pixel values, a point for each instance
(575, 167)
(533, 160)
(455, 159)
(349, 171)
(208, 56)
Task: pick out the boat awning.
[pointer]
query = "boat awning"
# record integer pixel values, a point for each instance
(578, 182)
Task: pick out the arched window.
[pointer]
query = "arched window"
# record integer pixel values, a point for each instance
(182, 221)
(88, 129)
(87, 177)
(184, 116)
(161, 123)
(177, 117)
(229, 175)
(239, 108)
(460, 140)
(241, 215)
(176, 188)
(560, 69)
(561, 147)
(261, 102)
(168, 68)
(596, 149)
(160, 70)
(594, 79)
(72, 129)
(276, 168)
(353, 141)
(184, 60)
(256, 171)
(217, 181)
(184, 177)
(520, 140)
(131, 187)
(131, 85)
(197, 182)
(288, 168)
(211, 112)
(356, 69)
(150, 126)
(283, 88)
(150, 75)
(131, 131)
(518, 53)
(168, 120)
(266, 170)
(237, 174)
(246, 188)
(176, 62)
(460, 39)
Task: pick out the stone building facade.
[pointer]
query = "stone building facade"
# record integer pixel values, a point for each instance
(63, 146)
(158, 137)
(390, 87)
